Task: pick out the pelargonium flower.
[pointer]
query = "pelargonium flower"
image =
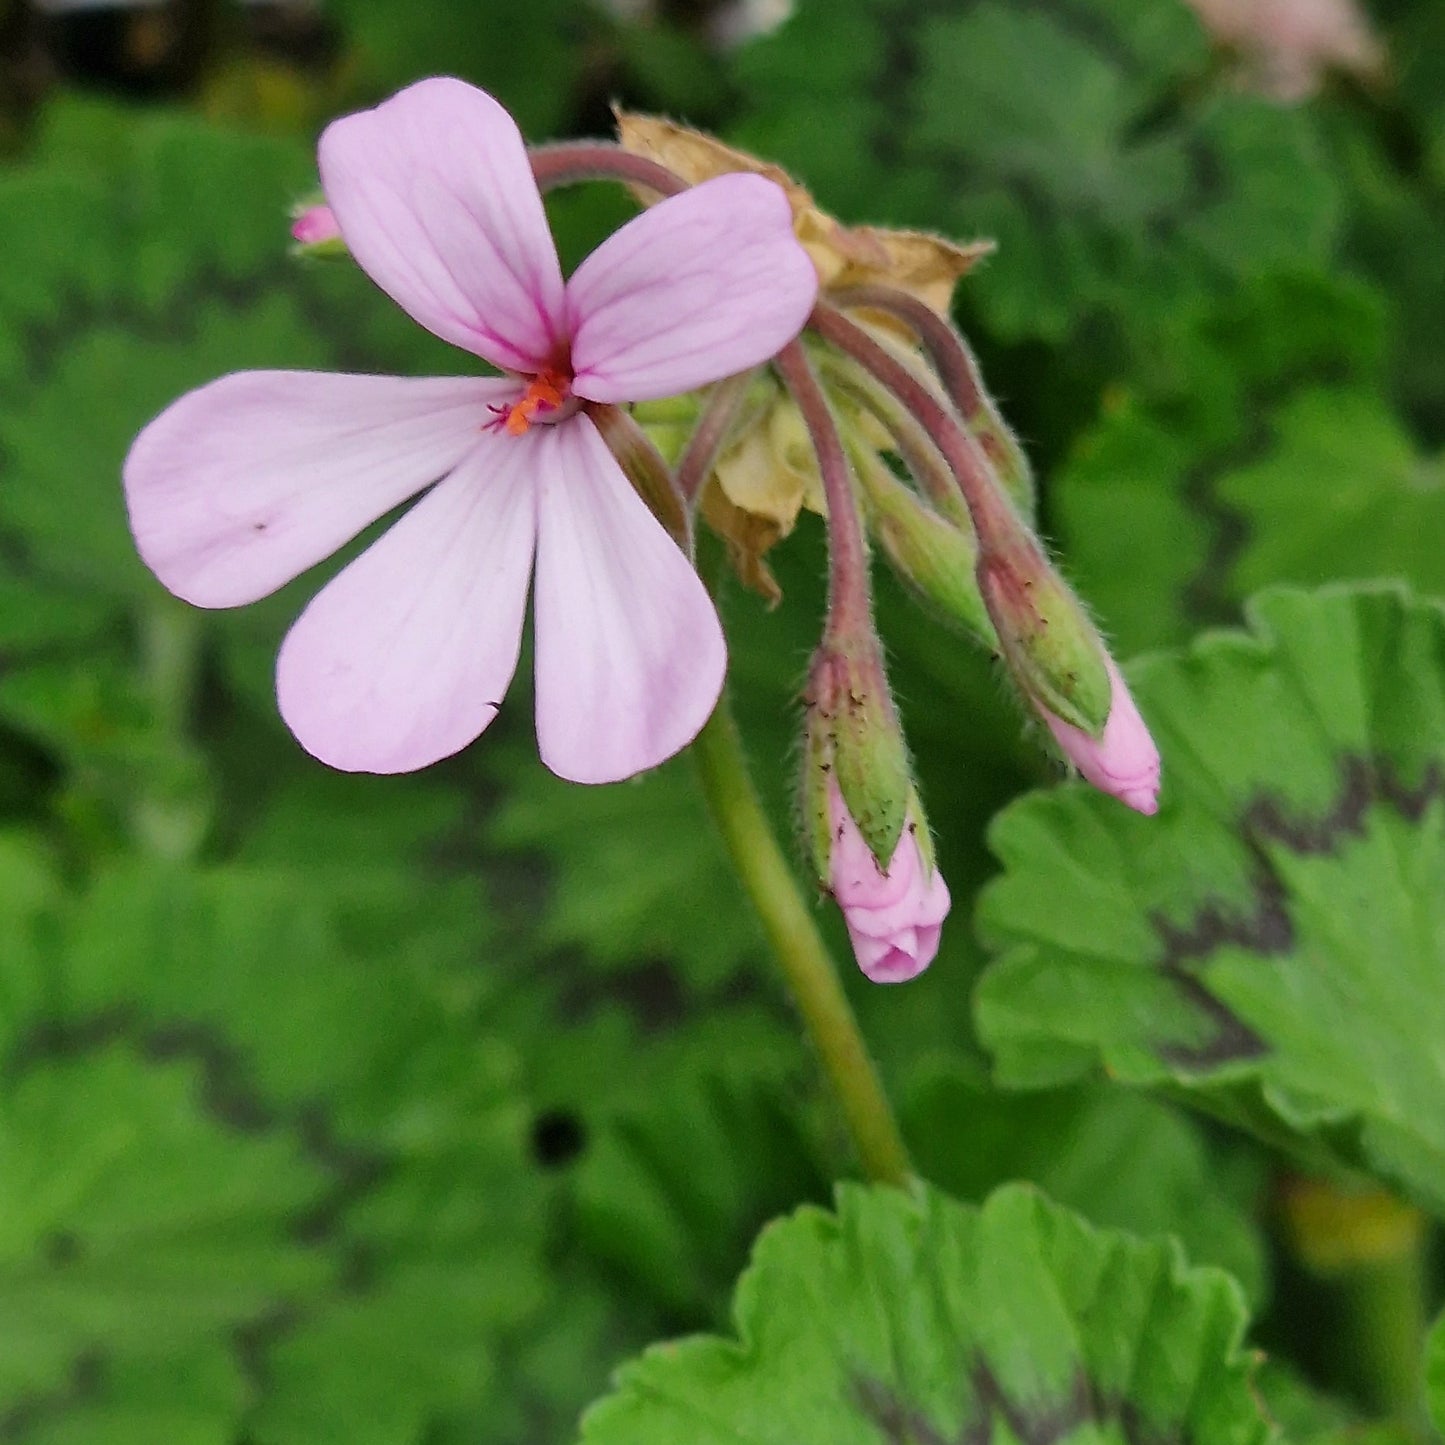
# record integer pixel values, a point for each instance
(895, 918)
(403, 658)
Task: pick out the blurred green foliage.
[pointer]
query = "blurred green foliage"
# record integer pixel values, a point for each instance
(403, 1110)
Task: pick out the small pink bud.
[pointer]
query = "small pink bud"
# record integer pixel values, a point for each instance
(1123, 762)
(894, 919)
(314, 226)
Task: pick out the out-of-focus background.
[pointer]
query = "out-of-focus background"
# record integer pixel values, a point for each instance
(398, 1111)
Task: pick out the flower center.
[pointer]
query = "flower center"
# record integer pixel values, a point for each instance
(548, 392)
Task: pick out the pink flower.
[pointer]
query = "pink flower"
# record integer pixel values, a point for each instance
(894, 919)
(1124, 762)
(403, 658)
(315, 225)
(1293, 42)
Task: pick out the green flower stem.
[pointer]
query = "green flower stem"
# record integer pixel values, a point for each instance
(1388, 1321)
(809, 971)
(170, 647)
(1369, 1250)
(170, 807)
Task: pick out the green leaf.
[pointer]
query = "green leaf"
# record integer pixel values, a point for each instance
(1256, 451)
(1121, 1160)
(1435, 1373)
(639, 872)
(252, 1125)
(167, 282)
(1120, 187)
(1307, 1417)
(1269, 946)
(134, 1218)
(672, 1191)
(588, 1323)
(919, 1320)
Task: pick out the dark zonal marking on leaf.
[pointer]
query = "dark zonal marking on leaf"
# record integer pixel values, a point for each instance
(86, 1377)
(1265, 928)
(1208, 180)
(251, 1343)
(226, 1093)
(43, 342)
(654, 994)
(1030, 1424)
(1138, 1431)
(1205, 597)
(901, 1423)
(1364, 781)
(230, 1097)
(1233, 1039)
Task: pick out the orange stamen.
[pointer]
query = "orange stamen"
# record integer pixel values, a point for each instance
(544, 393)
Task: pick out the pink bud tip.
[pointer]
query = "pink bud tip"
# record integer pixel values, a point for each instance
(1124, 762)
(894, 919)
(314, 225)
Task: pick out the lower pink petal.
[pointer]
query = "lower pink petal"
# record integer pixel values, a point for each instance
(630, 653)
(403, 658)
(705, 284)
(240, 486)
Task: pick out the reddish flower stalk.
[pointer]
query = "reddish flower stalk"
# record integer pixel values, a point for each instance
(959, 371)
(569, 162)
(1057, 658)
(914, 445)
(850, 611)
(711, 434)
(992, 512)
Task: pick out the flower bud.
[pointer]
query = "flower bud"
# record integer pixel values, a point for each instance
(315, 231)
(1051, 647)
(1122, 762)
(894, 914)
(930, 554)
(854, 742)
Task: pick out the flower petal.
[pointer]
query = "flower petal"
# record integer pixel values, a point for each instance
(630, 653)
(705, 284)
(240, 486)
(435, 199)
(403, 658)
(1124, 762)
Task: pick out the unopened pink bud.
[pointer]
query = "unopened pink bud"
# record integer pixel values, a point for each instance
(1123, 762)
(894, 919)
(314, 226)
